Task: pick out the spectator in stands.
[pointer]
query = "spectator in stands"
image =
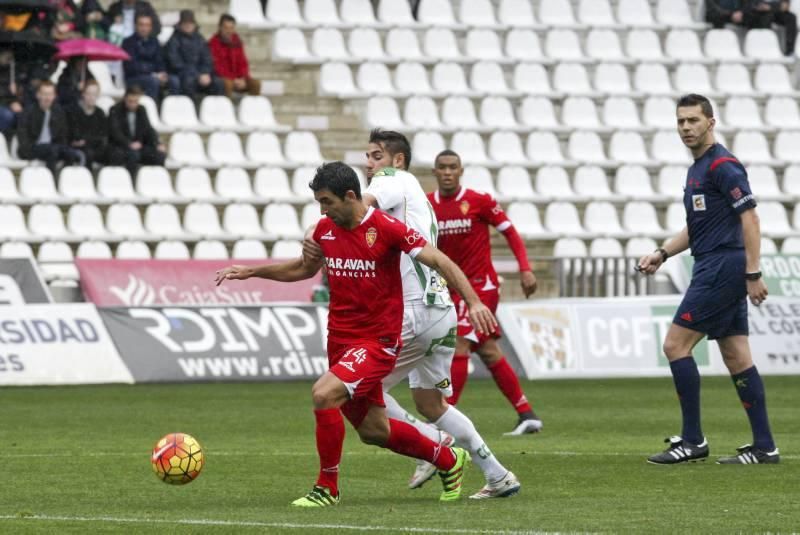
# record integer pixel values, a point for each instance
(146, 68)
(10, 105)
(127, 12)
(133, 140)
(230, 61)
(43, 131)
(69, 22)
(88, 125)
(94, 18)
(189, 60)
(765, 13)
(72, 81)
(722, 12)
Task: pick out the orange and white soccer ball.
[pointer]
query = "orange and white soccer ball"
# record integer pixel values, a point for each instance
(177, 459)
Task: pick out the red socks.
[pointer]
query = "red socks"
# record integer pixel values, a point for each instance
(330, 439)
(406, 440)
(458, 375)
(508, 383)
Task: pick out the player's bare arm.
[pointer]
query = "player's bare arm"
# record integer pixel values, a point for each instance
(312, 252)
(751, 231)
(291, 271)
(482, 318)
(650, 263)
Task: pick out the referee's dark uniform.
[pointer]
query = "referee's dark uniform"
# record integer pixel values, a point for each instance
(716, 193)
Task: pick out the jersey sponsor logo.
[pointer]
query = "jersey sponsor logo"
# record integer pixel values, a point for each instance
(349, 267)
(455, 226)
(464, 206)
(496, 209)
(699, 203)
(413, 238)
(371, 236)
(743, 200)
(444, 383)
(328, 236)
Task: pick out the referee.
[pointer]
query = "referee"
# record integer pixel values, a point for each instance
(722, 230)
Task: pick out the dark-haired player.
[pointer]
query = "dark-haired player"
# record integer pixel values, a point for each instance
(362, 248)
(723, 232)
(464, 217)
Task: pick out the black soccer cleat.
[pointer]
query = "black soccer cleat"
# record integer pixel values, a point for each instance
(680, 451)
(749, 454)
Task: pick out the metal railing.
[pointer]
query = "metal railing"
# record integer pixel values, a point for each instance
(600, 277)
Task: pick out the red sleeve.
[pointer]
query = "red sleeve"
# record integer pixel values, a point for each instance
(218, 58)
(403, 237)
(517, 247)
(493, 213)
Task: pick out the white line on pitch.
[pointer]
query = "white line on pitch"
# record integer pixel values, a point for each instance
(256, 524)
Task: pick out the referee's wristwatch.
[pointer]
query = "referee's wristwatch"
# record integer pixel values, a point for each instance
(754, 276)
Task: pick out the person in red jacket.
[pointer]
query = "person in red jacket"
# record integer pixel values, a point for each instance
(230, 62)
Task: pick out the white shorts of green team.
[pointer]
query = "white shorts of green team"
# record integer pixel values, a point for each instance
(429, 342)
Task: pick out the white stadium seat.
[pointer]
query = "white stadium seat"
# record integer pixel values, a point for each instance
(56, 261)
(605, 248)
(186, 148)
(580, 113)
(241, 220)
(478, 178)
(328, 44)
(402, 45)
(47, 221)
(671, 180)
(356, 13)
(153, 116)
(570, 248)
(774, 79)
(553, 182)
(14, 226)
(487, 77)
(375, 79)
(572, 79)
(458, 113)
(556, 13)
(723, 45)
(514, 182)
(321, 13)
(597, 14)
(202, 219)
(210, 250)
(621, 113)
(171, 250)
(683, 44)
(115, 184)
(287, 249)
(768, 246)
(449, 78)
(383, 112)
(601, 219)
(289, 44)
(469, 145)
(395, 13)
(764, 183)
(791, 181)
(440, 43)
(284, 12)
(629, 148)
(742, 112)
(786, 145)
(633, 181)
(752, 147)
(255, 112)
(532, 79)
(497, 113)
(366, 43)
(337, 79)
(94, 249)
(484, 45)
(762, 46)
(248, 13)
(426, 145)
(639, 247)
(9, 194)
(436, 13)
(640, 218)
(37, 183)
(412, 78)
(604, 45)
(544, 148)
(225, 148)
(774, 221)
(310, 215)
(591, 183)
(733, 79)
(635, 13)
(77, 183)
(652, 79)
(676, 13)
(177, 111)
(676, 217)
(300, 179)
(15, 249)
(539, 113)
(527, 221)
(791, 246)
(563, 45)
(506, 148)
(162, 220)
(303, 148)
(217, 113)
(280, 219)
(612, 78)
(421, 113)
(644, 45)
(87, 221)
(523, 45)
(782, 112)
(516, 14)
(659, 112)
(133, 250)
(668, 148)
(154, 182)
(249, 250)
(194, 183)
(264, 148)
(478, 13)
(123, 220)
(562, 218)
(233, 184)
(587, 147)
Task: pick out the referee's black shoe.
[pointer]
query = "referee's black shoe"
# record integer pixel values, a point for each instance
(680, 451)
(749, 454)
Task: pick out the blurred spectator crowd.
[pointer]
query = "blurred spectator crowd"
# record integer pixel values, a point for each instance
(61, 123)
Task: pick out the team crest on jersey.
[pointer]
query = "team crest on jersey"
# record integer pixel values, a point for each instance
(372, 236)
(464, 207)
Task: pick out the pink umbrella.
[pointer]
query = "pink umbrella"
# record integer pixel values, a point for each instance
(92, 49)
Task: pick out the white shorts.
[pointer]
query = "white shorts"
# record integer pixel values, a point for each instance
(429, 342)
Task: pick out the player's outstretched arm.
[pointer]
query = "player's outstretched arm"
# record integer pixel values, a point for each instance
(751, 231)
(650, 263)
(482, 318)
(291, 271)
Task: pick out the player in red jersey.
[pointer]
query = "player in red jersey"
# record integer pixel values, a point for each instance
(464, 217)
(361, 249)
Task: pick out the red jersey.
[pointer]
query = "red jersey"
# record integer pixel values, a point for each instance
(464, 221)
(366, 286)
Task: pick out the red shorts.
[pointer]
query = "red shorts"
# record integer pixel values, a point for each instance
(490, 298)
(361, 365)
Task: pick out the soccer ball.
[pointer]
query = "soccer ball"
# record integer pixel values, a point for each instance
(177, 459)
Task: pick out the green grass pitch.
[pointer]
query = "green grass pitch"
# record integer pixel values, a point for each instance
(76, 460)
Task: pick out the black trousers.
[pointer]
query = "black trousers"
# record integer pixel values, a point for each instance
(132, 159)
(52, 153)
